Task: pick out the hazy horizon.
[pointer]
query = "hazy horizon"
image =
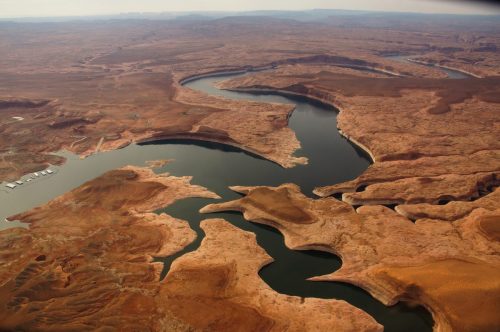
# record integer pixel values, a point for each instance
(67, 8)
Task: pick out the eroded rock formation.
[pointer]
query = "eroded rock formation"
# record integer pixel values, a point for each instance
(86, 260)
(447, 266)
(85, 263)
(451, 211)
(132, 108)
(217, 288)
(431, 140)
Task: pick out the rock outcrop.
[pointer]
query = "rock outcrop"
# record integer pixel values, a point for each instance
(85, 262)
(449, 267)
(218, 288)
(431, 140)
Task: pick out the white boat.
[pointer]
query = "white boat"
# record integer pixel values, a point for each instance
(19, 182)
(50, 171)
(36, 174)
(43, 173)
(29, 180)
(10, 185)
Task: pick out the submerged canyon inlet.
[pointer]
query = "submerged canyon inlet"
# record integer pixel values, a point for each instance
(215, 166)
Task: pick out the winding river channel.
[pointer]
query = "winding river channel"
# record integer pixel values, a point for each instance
(452, 74)
(332, 159)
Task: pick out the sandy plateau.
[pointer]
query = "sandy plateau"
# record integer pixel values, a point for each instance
(217, 288)
(421, 224)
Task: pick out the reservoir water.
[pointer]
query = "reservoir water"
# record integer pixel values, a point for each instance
(332, 159)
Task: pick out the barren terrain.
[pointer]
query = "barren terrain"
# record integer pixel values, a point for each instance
(429, 151)
(86, 260)
(448, 267)
(85, 263)
(419, 225)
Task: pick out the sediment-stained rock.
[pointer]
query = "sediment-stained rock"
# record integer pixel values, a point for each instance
(131, 108)
(431, 178)
(446, 266)
(261, 128)
(436, 189)
(450, 211)
(158, 163)
(414, 130)
(483, 66)
(218, 288)
(85, 262)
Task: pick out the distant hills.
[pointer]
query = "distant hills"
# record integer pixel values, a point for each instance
(314, 15)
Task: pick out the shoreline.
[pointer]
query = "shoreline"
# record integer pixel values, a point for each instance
(426, 63)
(218, 73)
(326, 102)
(242, 70)
(190, 136)
(249, 69)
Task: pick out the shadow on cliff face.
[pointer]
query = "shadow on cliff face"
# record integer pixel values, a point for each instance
(449, 91)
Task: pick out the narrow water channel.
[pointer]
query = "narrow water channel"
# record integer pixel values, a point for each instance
(332, 159)
(452, 74)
